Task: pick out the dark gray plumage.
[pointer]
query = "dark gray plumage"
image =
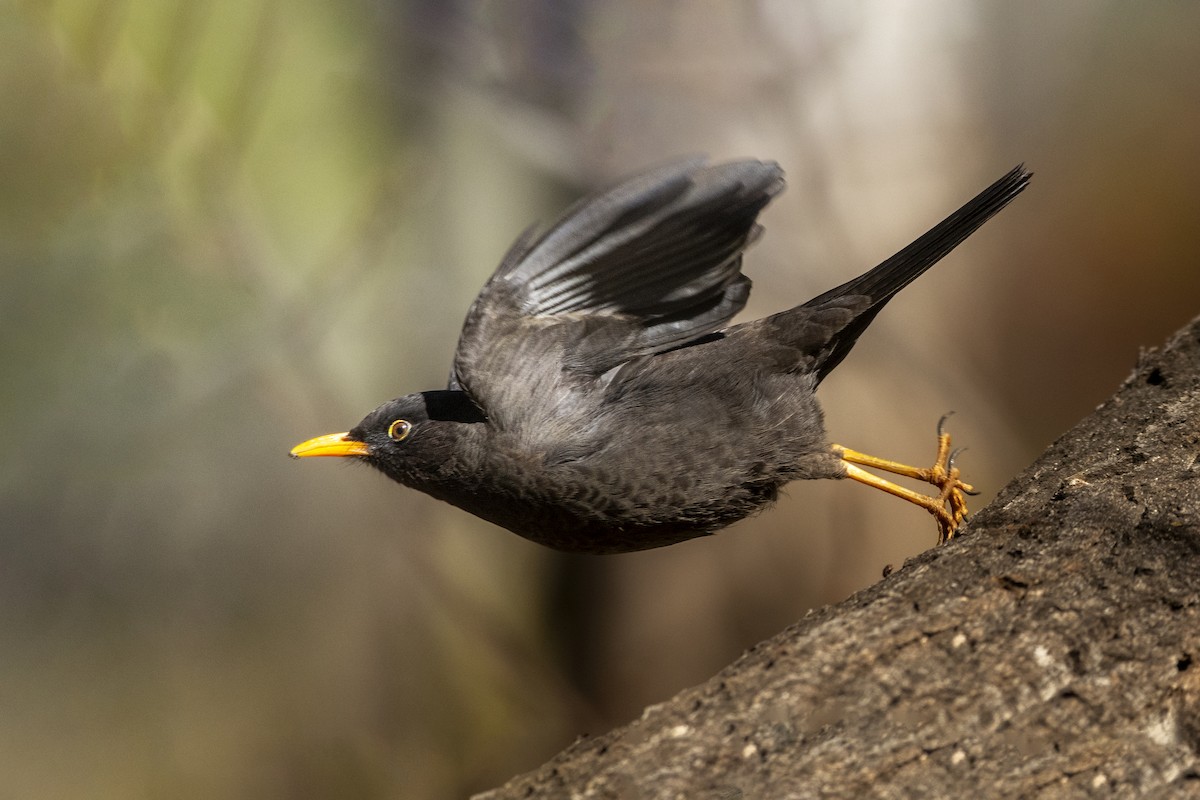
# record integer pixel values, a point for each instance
(597, 401)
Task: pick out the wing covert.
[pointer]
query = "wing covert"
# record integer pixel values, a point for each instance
(648, 265)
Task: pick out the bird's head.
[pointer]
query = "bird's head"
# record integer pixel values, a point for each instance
(413, 439)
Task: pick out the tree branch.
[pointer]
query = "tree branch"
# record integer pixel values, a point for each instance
(1053, 647)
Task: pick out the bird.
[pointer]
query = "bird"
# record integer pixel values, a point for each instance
(599, 400)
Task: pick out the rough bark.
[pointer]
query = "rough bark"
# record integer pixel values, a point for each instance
(1051, 650)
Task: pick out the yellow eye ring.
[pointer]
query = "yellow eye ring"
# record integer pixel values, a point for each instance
(399, 430)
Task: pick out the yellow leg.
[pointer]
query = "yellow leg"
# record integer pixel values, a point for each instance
(943, 474)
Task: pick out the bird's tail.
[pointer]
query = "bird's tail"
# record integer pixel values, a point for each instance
(885, 280)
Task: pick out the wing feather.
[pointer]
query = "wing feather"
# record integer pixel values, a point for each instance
(648, 265)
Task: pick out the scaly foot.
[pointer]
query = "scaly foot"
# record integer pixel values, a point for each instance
(949, 507)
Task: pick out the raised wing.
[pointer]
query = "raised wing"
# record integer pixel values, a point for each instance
(646, 266)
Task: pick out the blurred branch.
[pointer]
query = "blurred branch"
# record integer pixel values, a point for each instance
(1052, 647)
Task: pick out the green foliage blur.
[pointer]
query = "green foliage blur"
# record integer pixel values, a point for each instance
(204, 206)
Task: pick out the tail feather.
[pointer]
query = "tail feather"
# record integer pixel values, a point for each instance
(903, 268)
(881, 283)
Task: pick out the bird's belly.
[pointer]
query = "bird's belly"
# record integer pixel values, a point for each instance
(581, 509)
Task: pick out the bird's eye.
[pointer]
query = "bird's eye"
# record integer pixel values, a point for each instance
(398, 431)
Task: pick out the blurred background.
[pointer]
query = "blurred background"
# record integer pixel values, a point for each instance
(226, 227)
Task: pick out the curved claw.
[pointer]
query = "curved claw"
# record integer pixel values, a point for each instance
(941, 426)
(965, 488)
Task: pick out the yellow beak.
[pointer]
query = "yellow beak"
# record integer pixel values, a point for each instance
(331, 444)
